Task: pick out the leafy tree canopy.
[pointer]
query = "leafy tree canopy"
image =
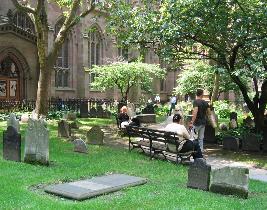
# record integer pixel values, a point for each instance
(126, 76)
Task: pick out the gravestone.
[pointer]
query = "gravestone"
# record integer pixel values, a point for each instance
(93, 112)
(230, 143)
(95, 136)
(251, 142)
(199, 175)
(11, 144)
(84, 189)
(209, 135)
(233, 124)
(84, 110)
(71, 116)
(37, 142)
(12, 121)
(64, 129)
(100, 111)
(146, 118)
(80, 146)
(149, 109)
(230, 181)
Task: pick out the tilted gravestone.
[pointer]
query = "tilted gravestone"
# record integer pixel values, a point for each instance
(84, 109)
(230, 143)
(251, 142)
(95, 136)
(209, 135)
(12, 121)
(64, 129)
(199, 175)
(11, 144)
(80, 146)
(230, 181)
(37, 142)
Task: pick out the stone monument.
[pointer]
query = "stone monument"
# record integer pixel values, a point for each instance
(80, 146)
(230, 181)
(199, 175)
(230, 143)
(95, 136)
(11, 144)
(64, 129)
(37, 141)
(12, 121)
(84, 110)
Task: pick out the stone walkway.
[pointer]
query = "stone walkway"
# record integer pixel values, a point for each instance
(113, 139)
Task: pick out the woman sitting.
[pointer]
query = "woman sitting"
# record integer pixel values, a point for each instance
(186, 145)
(123, 117)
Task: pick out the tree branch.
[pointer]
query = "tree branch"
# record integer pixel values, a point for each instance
(23, 8)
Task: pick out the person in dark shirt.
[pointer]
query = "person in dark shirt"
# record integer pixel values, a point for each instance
(199, 119)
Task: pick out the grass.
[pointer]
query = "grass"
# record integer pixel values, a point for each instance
(21, 185)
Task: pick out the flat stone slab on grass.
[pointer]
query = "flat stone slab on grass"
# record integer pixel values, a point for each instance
(84, 189)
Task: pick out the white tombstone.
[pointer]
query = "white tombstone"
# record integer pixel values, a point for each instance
(12, 121)
(37, 141)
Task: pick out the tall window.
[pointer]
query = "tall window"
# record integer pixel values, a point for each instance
(24, 22)
(62, 63)
(95, 50)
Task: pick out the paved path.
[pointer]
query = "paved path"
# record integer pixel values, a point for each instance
(113, 139)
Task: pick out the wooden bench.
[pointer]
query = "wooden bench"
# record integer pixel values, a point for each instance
(156, 142)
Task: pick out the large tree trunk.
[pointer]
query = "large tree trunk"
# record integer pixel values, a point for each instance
(216, 85)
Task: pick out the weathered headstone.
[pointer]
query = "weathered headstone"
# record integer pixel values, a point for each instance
(11, 144)
(233, 116)
(146, 118)
(251, 142)
(84, 109)
(71, 116)
(100, 111)
(199, 175)
(64, 129)
(37, 142)
(233, 124)
(209, 135)
(80, 146)
(230, 181)
(12, 121)
(93, 112)
(95, 136)
(230, 143)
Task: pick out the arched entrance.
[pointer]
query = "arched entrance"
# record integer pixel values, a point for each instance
(10, 84)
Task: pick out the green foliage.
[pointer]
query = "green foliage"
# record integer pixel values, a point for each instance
(223, 109)
(162, 110)
(126, 76)
(200, 74)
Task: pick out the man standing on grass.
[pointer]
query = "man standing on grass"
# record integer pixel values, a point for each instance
(199, 119)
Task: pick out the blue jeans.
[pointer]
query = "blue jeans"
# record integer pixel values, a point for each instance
(200, 130)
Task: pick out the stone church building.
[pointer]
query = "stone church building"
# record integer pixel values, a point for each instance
(83, 48)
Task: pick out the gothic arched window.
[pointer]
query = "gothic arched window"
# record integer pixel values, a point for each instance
(95, 50)
(23, 21)
(62, 63)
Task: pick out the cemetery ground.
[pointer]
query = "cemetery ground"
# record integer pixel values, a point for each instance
(21, 184)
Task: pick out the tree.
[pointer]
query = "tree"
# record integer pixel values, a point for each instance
(233, 30)
(73, 11)
(125, 76)
(200, 74)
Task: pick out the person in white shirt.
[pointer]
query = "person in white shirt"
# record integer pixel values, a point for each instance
(186, 144)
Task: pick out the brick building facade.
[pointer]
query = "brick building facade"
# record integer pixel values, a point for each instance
(86, 45)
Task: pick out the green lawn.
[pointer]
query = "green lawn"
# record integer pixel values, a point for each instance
(21, 184)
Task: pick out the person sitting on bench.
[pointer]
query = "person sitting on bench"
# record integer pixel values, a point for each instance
(186, 145)
(123, 117)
